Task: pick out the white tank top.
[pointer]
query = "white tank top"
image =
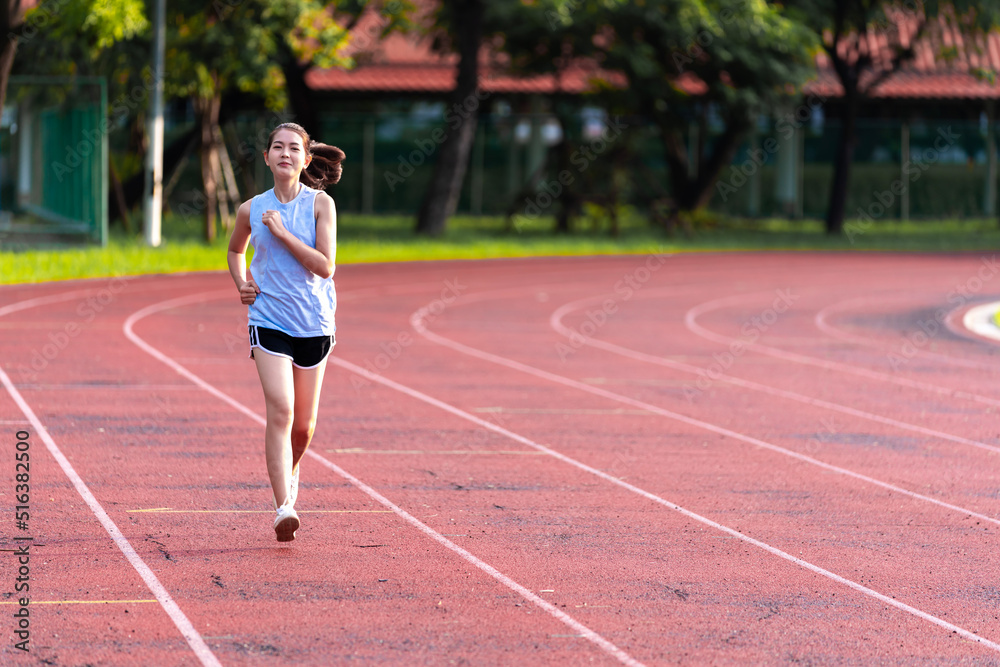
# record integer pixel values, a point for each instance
(292, 298)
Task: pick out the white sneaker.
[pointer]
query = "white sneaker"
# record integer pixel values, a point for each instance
(293, 488)
(286, 523)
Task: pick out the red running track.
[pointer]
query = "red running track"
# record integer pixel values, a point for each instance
(699, 459)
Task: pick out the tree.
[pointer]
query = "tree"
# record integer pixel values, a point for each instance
(87, 28)
(463, 20)
(245, 46)
(393, 16)
(11, 21)
(685, 64)
(845, 26)
(224, 47)
(80, 37)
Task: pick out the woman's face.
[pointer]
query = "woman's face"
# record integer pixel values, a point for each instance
(287, 156)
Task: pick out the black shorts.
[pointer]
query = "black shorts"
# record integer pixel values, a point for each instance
(304, 352)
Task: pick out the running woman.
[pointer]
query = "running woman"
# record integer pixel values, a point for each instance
(291, 299)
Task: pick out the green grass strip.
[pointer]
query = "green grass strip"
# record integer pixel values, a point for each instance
(391, 239)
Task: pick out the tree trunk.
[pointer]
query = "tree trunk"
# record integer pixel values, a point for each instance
(842, 162)
(11, 19)
(675, 154)
(228, 177)
(244, 166)
(462, 115)
(119, 195)
(174, 158)
(691, 193)
(207, 110)
(723, 151)
(570, 201)
(300, 96)
(221, 194)
(8, 48)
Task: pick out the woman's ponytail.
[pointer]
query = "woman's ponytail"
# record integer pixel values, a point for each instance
(325, 168)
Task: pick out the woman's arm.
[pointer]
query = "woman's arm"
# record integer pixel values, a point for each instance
(237, 255)
(319, 260)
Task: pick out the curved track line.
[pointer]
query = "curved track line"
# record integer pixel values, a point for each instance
(820, 320)
(555, 321)
(467, 556)
(181, 621)
(43, 301)
(691, 322)
(980, 321)
(417, 321)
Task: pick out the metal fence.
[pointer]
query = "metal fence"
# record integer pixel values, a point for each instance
(54, 154)
(933, 169)
(901, 170)
(939, 169)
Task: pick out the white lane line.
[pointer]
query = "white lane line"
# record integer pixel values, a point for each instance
(181, 621)
(107, 387)
(555, 321)
(691, 322)
(43, 301)
(821, 317)
(979, 320)
(418, 325)
(417, 321)
(526, 593)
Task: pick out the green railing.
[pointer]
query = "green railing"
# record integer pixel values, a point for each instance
(933, 169)
(57, 147)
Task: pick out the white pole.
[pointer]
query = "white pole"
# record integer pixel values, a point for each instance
(154, 155)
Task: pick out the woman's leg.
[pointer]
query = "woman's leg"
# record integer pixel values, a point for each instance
(279, 398)
(307, 385)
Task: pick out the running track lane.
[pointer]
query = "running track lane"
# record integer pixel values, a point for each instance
(156, 589)
(218, 580)
(387, 328)
(418, 325)
(949, 626)
(528, 595)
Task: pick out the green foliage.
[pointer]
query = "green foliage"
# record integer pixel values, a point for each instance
(213, 48)
(77, 36)
(714, 63)
(96, 23)
(748, 54)
(228, 46)
(110, 21)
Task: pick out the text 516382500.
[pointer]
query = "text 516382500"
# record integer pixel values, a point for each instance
(22, 544)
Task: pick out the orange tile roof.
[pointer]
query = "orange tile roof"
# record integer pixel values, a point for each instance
(943, 66)
(440, 78)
